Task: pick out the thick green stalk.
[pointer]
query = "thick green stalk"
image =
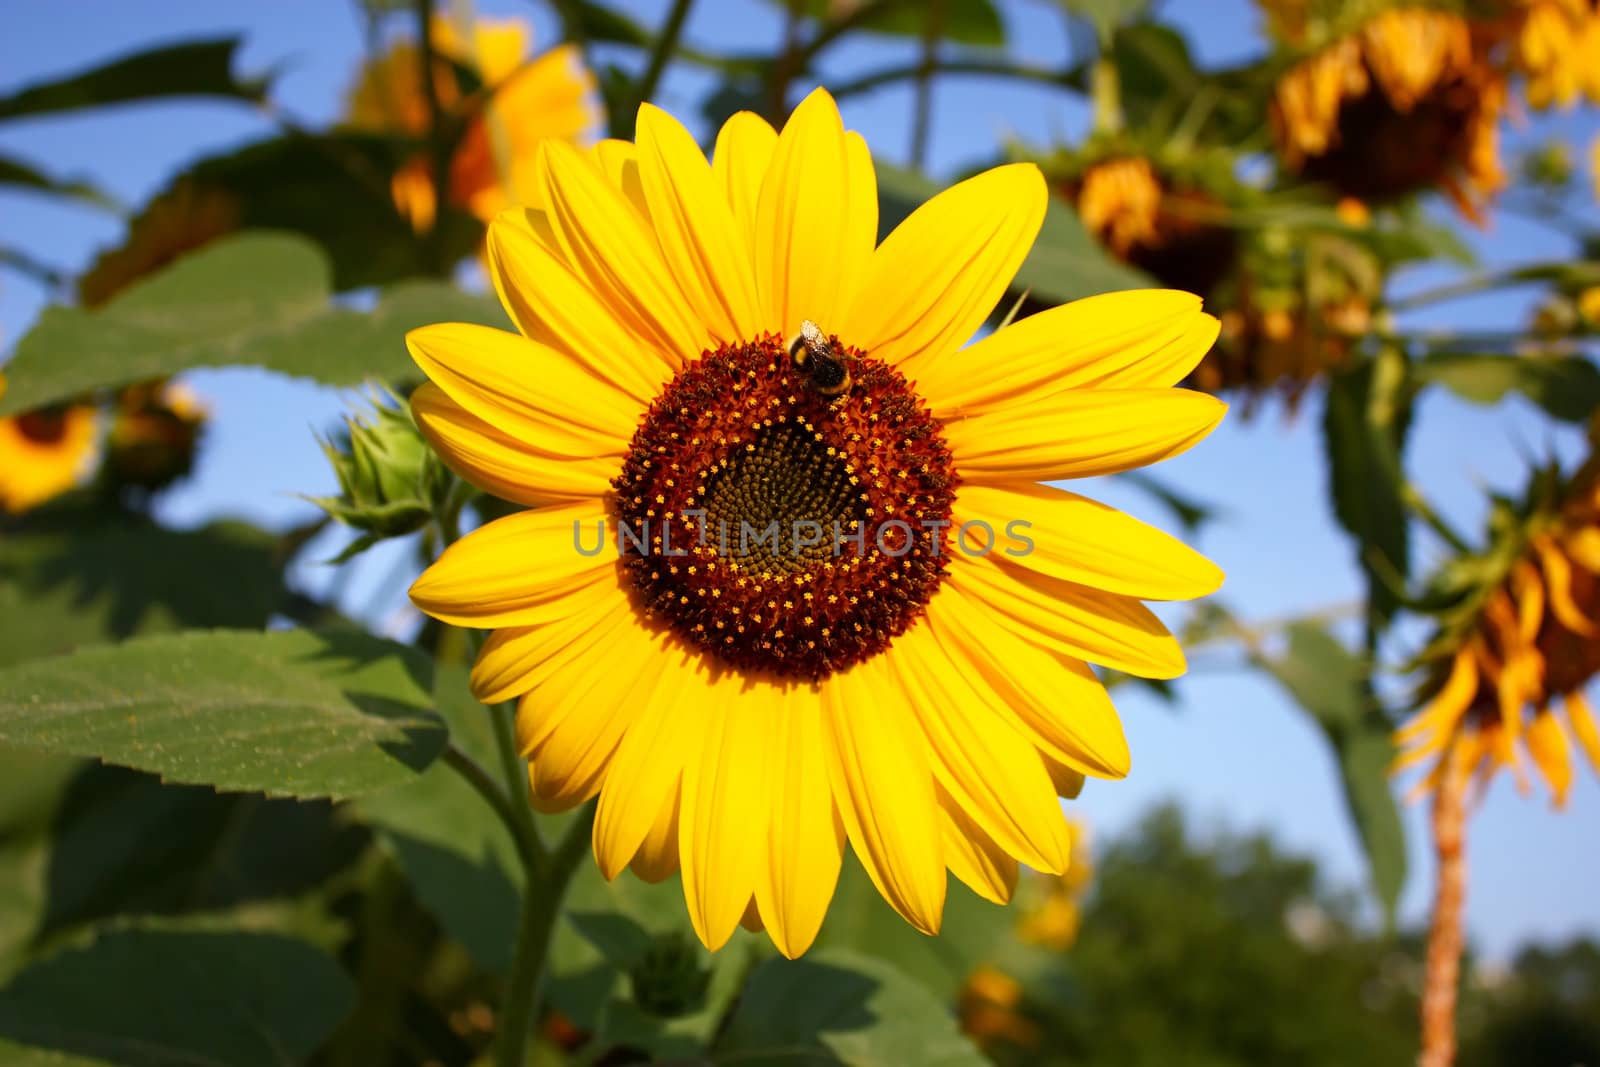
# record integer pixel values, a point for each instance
(541, 906)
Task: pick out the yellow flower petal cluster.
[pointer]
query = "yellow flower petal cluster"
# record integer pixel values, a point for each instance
(522, 103)
(1516, 681)
(1556, 47)
(1407, 102)
(43, 454)
(742, 717)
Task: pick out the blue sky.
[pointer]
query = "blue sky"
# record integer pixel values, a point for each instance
(1232, 750)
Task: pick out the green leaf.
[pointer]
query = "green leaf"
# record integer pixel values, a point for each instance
(1364, 431)
(1566, 387)
(194, 68)
(970, 22)
(292, 713)
(1322, 676)
(1065, 263)
(838, 1007)
(1105, 15)
(254, 299)
(15, 172)
(455, 851)
(122, 843)
(1365, 756)
(1335, 687)
(860, 920)
(335, 189)
(144, 998)
(73, 575)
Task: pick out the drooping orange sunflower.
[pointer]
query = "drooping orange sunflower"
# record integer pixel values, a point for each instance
(43, 454)
(770, 596)
(1402, 102)
(1556, 47)
(524, 101)
(1510, 665)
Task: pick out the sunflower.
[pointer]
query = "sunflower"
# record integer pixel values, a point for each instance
(813, 619)
(1512, 662)
(524, 102)
(1168, 227)
(43, 454)
(1296, 307)
(155, 430)
(1556, 47)
(1050, 916)
(991, 1010)
(1407, 101)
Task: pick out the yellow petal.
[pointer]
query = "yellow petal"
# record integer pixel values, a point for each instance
(1448, 705)
(1558, 579)
(528, 391)
(1583, 725)
(644, 775)
(1079, 540)
(657, 858)
(1140, 339)
(1547, 744)
(1113, 631)
(618, 160)
(983, 866)
(552, 305)
(702, 245)
(803, 239)
(805, 837)
(570, 726)
(883, 786)
(739, 166)
(978, 758)
(507, 572)
(723, 825)
(609, 246)
(500, 464)
(1081, 433)
(934, 280)
(861, 211)
(1058, 702)
(516, 659)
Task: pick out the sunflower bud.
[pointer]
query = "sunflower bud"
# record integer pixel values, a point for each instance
(390, 482)
(670, 978)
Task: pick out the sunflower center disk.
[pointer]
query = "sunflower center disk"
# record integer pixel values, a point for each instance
(786, 525)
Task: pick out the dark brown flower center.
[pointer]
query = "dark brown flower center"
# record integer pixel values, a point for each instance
(1382, 154)
(785, 524)
(47, 427)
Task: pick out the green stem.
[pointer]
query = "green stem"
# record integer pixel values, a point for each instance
(541, 906)
(515, 772)
(1105, 89)
(1422, 509)
(989, 67)
(661, 55)
(484, 783)
(922, 116)
(438, 136)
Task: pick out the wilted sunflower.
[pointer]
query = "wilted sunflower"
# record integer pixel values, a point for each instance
(43, 454)
(1556, 47)
(1401, 102)
(1172, 226)
(742, 708)
(522, 102)
(155, 430)
(1296, 307)
(1516, 651)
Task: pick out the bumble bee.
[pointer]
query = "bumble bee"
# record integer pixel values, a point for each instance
(822, 365)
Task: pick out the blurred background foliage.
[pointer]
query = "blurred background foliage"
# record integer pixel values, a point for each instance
(176, 893)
